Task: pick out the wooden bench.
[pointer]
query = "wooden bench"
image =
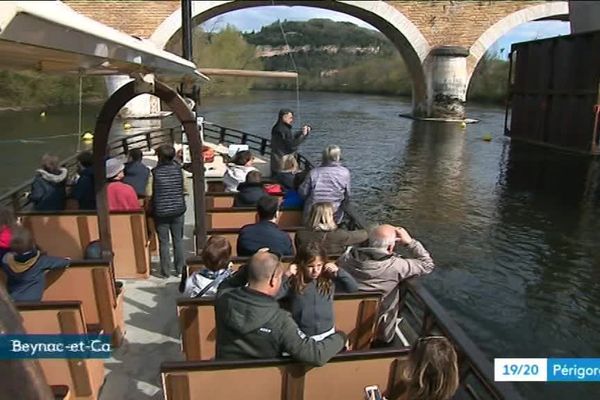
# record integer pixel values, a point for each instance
(235, 218)
(231, 234)
(66, 234)
(345, 376)
(355, 315)
(83, 377)
(223, 199)
(90, 283)
(195, 263)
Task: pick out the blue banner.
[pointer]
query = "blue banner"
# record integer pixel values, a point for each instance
(574, 370)
(54, 346)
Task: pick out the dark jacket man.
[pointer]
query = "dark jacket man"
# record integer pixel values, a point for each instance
(283, 140)
(265, 233)
(250, 323)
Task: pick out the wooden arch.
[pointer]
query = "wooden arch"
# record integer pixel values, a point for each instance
(100, 149)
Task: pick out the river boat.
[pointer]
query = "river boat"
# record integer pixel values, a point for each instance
(163, 345)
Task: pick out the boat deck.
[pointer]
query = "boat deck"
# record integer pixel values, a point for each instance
(150, 312)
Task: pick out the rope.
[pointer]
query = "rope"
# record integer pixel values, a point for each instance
(290, 54)
(80, 103)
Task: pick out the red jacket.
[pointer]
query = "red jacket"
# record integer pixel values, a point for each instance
(5, 237)
(122, 197)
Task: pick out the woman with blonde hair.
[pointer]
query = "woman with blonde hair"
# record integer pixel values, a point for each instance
(288, 171)
(321, 227)
(432, 372)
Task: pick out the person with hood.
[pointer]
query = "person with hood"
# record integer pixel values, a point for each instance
(329, 183)
(25, 266)
(83, 191)
(121, 196)
(48, 191)
(378, 269)
(237, 169)
(136, 173)
(252, 325)
(284, 141)
(249, 192)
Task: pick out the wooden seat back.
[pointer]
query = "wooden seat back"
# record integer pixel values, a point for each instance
(66, 234)
(223, 199)
(235, 218)
(345, 376)
(84, 377)
(231, 234)
(90, 283)
(355, 315)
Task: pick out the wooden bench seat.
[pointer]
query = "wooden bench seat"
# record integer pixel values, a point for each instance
(66, 234)
(355, 315)
(223, 199)
(235, 218)
(89, 282)
(345, 376)
(83, 377)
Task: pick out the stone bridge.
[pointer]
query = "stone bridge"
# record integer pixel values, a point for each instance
(441, 42)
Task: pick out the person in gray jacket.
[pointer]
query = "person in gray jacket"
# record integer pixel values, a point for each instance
(250, 323)
(378, 269)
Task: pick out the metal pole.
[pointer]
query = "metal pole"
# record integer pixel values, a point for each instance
(186, 28)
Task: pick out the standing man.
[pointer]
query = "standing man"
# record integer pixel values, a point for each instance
(283, 140)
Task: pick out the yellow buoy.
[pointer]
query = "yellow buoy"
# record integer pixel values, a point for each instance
(463, 125)
(127, 126)
(487, 137)
(87, 136)
(43, 114)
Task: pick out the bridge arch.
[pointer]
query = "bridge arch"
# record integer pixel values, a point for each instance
(405, 35)
(548, 10)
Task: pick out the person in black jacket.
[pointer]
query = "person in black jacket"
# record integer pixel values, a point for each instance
(250, 323)
(249, 192)
(83, 191)
(136, 173)
(48, 191)
(168, 208)
(283, 140)
(265, 233)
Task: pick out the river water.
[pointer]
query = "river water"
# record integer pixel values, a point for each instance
(511, 228)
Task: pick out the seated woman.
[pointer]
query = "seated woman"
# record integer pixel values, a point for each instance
(310, 289)
(25, 266)
(291, 197)
(249, 192)
(432, 371)
(289, 170)
(216, 258)
(321, 227)
(121, 196)
(241, 163)
(48, 192)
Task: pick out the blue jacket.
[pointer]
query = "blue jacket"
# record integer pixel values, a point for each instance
(25, 274)
(263, 234)
(292, 200)
(248, 194)
(136, 175)
(83, 191)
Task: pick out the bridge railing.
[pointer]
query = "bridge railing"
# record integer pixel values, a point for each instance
(18, 199)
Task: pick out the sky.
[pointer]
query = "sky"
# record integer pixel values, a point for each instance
(254, 18)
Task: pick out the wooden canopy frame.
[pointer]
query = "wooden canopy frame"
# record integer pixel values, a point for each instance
(100, 148)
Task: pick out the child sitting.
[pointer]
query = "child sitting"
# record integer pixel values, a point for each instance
(25, 265)
(249, 192)
(217, 267)
(237, 169)
(310, 289)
